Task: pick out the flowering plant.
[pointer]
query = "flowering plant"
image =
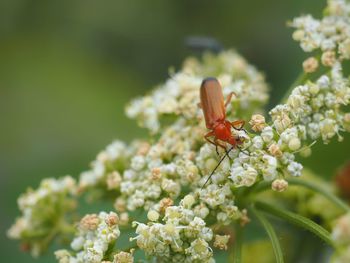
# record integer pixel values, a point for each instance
(156, 186)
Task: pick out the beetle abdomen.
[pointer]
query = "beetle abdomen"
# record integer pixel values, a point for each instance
(212, 101)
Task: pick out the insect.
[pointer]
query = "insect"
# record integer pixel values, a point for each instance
(214, 109)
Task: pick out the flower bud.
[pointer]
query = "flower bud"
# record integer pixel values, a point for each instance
(89, 222)
(124, 219)
(210, 164)
(279, 185)
(298, 35)
(112, 219)
(310, 65)
(275, 150)
(306, 152)
(294, 144)
(113, 180)
(257, 122)
(221, 241)
(314, 89)
(188, 201)
(123, 257)
(328, 58)
(152, 215)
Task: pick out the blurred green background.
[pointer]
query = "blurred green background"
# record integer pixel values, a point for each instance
(67, 69)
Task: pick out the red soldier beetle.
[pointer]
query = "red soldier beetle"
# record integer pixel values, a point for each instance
(214, 109)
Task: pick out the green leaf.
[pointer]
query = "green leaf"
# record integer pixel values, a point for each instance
(272, 234)
(297, 220)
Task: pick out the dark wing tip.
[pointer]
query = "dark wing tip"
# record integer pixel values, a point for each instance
(203, 43)
(208, 79)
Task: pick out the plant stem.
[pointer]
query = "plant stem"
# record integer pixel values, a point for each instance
(331, 197)
(237, 257)
(297, 220)
(311, 186)
(272, 234)
(300, 79)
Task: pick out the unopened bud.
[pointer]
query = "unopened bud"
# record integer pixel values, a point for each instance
(279, 185)
(310, 65)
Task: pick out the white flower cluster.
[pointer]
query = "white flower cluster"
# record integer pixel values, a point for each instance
(315, 108)
(153, 175)
(114, 158)
(331, 34)
(43, 211)
(312, 111)
(183, 237)
(217, 203)
(341, 236)
(179, 95)
(268, 155)
(157, 177)
(96, 234)
(161, 170)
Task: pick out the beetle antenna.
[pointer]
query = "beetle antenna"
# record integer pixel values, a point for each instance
(243, 151)
(226, 154)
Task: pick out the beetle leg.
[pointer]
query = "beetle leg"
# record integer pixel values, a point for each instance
(238, 125)
(215, 142)
(209, 134)
(229, 98)
(222, 146)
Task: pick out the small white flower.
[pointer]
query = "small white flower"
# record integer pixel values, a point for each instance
(344, 49)
(77, 243)
(153, 215)
(138, 162)
(201, 210)
(269, 167)
(267, 134)
(188, 201)
(221, 241)
(257, 143)
(123, 257)
(323, 82)
(295, 169)
(294, 144)
(328, 128)
(243, 176)
(199, 250)
(171, 187)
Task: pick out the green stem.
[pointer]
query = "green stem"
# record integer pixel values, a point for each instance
(303, 77)
(300, 79)
(297, 220)
(263, 186)
(238, 245)
(331, 197)
(272, 234)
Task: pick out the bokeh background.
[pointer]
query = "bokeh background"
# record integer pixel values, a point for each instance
(67, 69)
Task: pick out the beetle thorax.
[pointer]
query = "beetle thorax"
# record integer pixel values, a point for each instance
(222, 131)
